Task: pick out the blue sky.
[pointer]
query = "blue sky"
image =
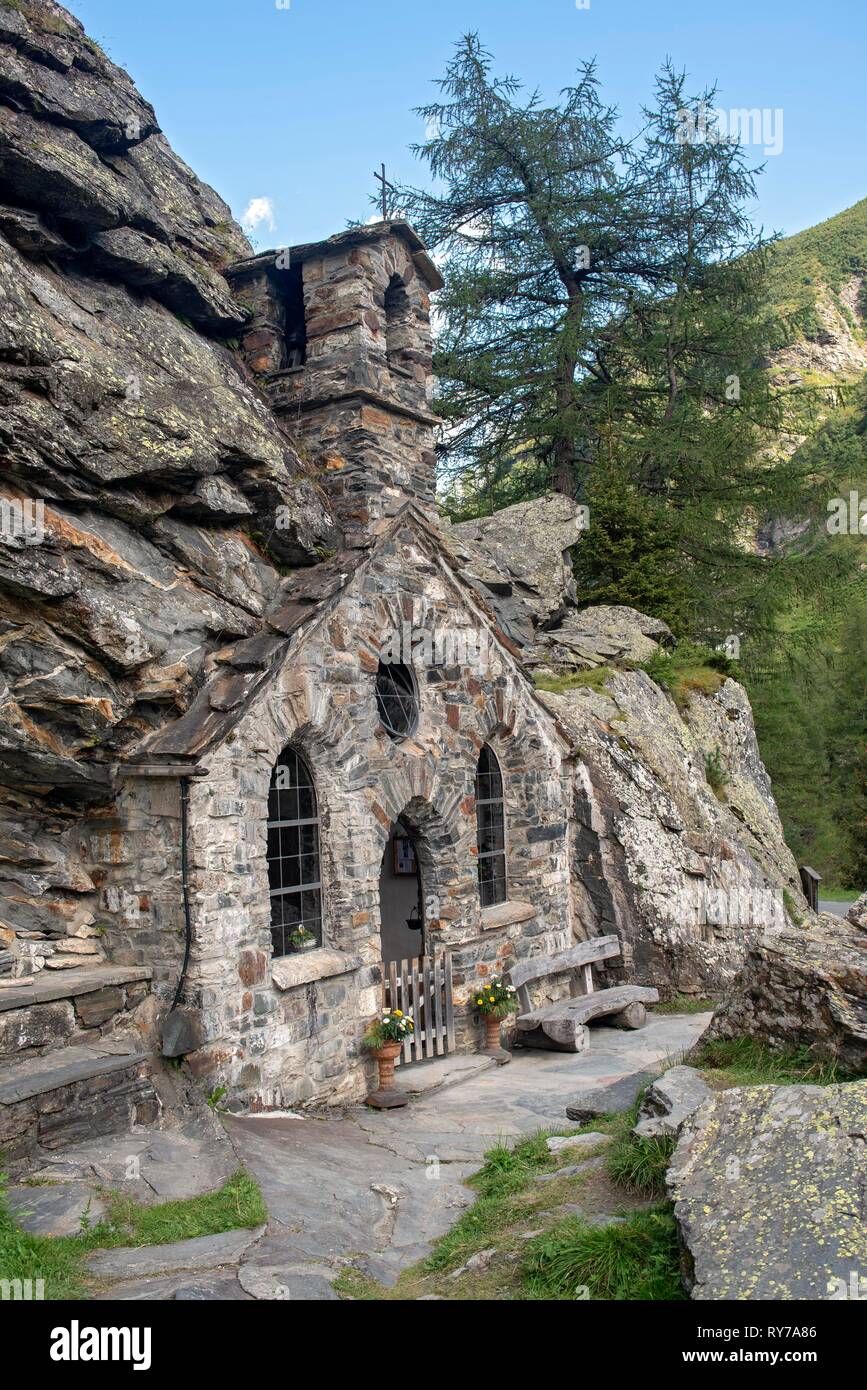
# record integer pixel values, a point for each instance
(298, 105)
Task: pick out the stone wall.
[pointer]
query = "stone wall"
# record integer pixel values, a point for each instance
(273, 1046)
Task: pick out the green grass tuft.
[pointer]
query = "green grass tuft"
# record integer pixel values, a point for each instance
(638, 1165)
(717, 777)
(686, 670)
(60, 1260)
(748, 1062)
(637, 1260)
(684, 1004)
(594, 679)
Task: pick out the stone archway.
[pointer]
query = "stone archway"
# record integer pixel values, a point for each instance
(435, 841)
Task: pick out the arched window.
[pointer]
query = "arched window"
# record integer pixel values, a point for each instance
(398, 319)
(293, 857)
(491, 828)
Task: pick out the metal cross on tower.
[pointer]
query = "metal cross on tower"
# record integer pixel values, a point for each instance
(386, 188)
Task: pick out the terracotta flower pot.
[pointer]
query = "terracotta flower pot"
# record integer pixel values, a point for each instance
(492, 1046)
(386, 1097)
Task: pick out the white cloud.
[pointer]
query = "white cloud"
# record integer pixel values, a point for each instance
(259, 213)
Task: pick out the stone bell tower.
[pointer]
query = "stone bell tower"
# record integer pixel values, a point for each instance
(340, 339)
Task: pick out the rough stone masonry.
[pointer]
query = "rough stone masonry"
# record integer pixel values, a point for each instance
(233, 457)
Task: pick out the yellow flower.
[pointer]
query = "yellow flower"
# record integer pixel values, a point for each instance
(480, 1001)
(491, 999)
(399, 1013)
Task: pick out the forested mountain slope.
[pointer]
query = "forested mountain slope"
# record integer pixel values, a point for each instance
(810, 701)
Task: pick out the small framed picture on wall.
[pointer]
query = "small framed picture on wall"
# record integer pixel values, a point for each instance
(404, 855)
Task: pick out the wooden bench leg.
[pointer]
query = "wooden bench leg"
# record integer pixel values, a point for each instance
(633, 1016)
(574, 1039)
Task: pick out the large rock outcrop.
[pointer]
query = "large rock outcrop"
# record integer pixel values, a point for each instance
(686, 873)
(150, 499)
(803, 989)
(769, 1186)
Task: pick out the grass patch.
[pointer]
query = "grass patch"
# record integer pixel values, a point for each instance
(634, 1164)
(510, 1203)
(686, 670)
(792, 908)
(235, 1206)
(594, 679)
(747, 1062)
(60, 1260)
(637, 1260)
(507, 1172)
(684, 1004)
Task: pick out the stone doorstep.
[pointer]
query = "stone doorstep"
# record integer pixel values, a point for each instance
(65, 1066)
(68, 984)
(420, 1078)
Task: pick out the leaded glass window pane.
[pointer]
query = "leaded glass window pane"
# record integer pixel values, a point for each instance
(293, 856)
(491, 829)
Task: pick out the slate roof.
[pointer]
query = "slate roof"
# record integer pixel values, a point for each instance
(246, 667)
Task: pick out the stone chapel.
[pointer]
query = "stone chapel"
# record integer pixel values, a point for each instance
(344, 809)
(272, 731)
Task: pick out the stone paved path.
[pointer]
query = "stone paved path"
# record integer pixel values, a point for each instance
(376, 1188)
(369, 1188)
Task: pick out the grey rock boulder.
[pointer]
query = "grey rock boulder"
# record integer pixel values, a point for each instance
(598, 635)
(199, 1253)
(173, 499)
(558, 1143)
(803, 989)
(669, 1102)
(608, 1100)
(687, 877)
(518, 559)
(769, 1186)
(857, 913)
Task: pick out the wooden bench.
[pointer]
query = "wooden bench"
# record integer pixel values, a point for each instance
(563, 1026)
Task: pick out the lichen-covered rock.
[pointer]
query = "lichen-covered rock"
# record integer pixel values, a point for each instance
(803, 989)
(769, 1186)
(685, 874)
(150, 499)
(597, 636)
(857, 913)
(520, 559)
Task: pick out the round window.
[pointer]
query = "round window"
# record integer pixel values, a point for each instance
(396, 699)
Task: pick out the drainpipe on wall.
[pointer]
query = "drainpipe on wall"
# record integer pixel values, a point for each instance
(185, 890)
(183, 1030)
(182, 1027)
